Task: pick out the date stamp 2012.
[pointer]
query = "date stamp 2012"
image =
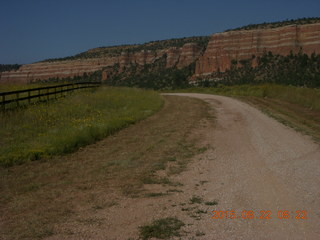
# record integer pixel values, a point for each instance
(263, 214)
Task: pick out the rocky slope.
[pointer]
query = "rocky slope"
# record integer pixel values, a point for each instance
(244, 44)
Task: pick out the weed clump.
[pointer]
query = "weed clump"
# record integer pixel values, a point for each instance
(196, 199)
(211, 203)
(162, 228)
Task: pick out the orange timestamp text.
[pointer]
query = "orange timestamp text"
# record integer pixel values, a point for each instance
(263, 214)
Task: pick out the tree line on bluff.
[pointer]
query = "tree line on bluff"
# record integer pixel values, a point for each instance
(151, 76)
(294, 69)
(202, 41)
(299, 21)
(9, 67)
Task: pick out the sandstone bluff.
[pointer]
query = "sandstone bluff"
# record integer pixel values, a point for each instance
(208, 57)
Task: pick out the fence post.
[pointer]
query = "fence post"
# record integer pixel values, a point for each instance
(3, 102)
(47, 94)
(17, 99)
(39, 95)
(29, 99)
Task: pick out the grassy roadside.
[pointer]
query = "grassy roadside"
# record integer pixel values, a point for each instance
(37, 197)
(302, 119)
(296, 107)
(7, 87)
(65, 125)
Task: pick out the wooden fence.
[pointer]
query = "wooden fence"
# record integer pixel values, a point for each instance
(14, 98)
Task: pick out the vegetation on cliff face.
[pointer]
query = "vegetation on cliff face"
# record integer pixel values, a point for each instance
(293, 69)
(9, 67)
(86, 77)
(299, 21)
(202, 41)
(176, 42)
(149, 76)
(152, 76)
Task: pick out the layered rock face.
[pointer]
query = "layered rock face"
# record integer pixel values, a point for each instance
(221, 50)
(60, 69)
(240, 45)
(179, 57)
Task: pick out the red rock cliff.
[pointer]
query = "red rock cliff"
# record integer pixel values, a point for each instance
(238, 45)
(44, 70)
(179, 57)
(221, 49)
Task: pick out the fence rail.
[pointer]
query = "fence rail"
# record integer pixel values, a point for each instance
(15, 97)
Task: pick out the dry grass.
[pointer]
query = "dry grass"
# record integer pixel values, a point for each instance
(37, 196)
(305, 120)
(302, 96)
(162, 228)
(7, 87)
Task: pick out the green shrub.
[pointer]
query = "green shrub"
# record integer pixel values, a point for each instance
(162, 228)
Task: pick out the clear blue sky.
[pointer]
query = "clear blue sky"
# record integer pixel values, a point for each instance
(34, 30)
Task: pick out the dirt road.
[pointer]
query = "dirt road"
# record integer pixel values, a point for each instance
(259, 165)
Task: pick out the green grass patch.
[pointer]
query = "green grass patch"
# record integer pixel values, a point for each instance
(131, 190)
(162, 228)
(8, 87)
(211, 203)
(63, 126)
(199, 233)
(152, 179)
(174, 191)
(196, 199)
(152, 194)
